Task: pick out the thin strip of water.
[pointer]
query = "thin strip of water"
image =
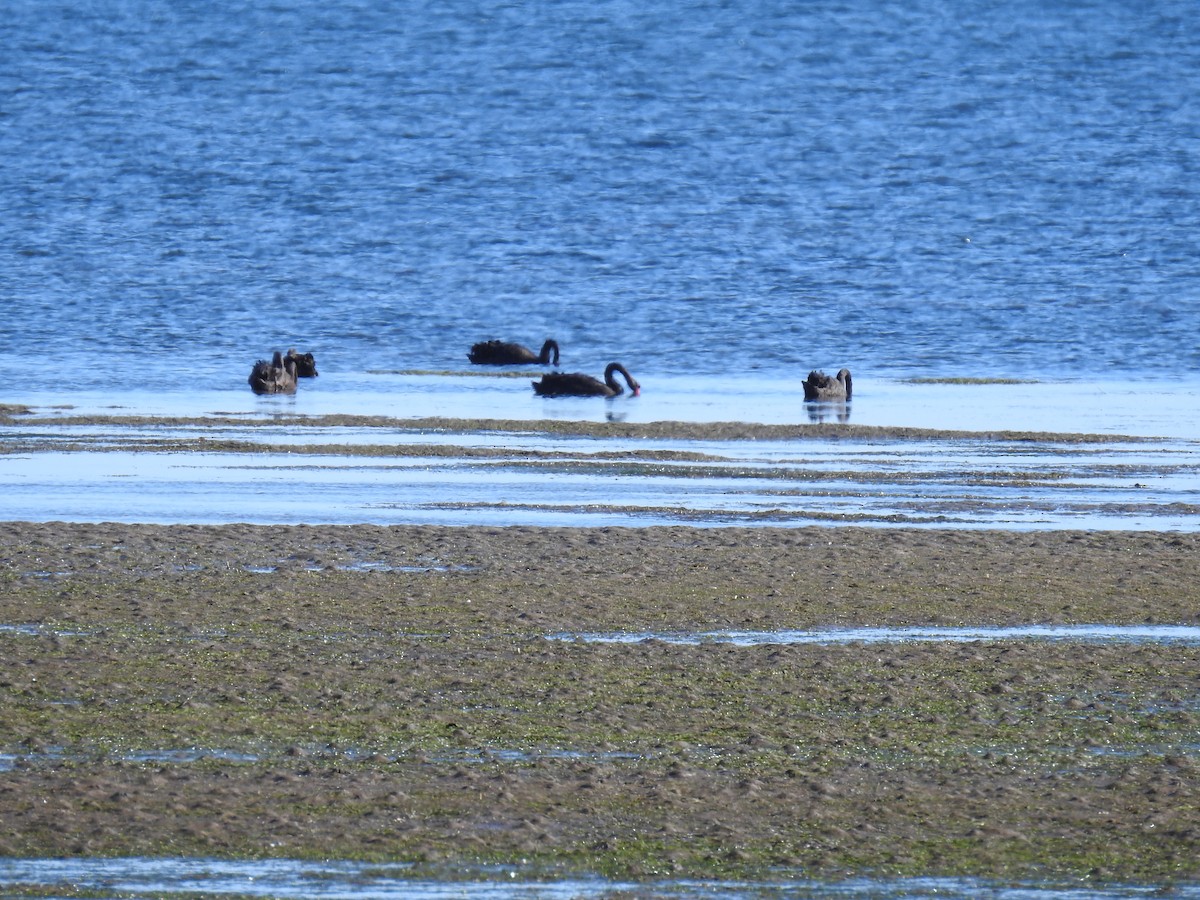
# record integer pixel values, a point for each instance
(337, 880)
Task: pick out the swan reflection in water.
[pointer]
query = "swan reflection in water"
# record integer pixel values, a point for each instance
(827, 411)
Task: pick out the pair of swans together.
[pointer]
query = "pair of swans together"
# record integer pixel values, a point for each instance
(554, 384)
(818, 386)
(279, 375)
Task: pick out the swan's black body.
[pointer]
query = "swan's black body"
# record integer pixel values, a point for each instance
(503, 353)
(275, 377)
(819, 386)
(577, 384)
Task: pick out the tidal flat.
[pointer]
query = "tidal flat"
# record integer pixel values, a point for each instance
(502, 472)
(397, 693)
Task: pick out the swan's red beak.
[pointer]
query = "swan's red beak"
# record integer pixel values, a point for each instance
(637, 391)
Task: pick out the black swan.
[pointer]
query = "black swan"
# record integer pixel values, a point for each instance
(819, 386)
(576, 384)
(306, 365)
(502, 353)
(275, 377)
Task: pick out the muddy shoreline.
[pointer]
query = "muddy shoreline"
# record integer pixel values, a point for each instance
(389, 693)
(669, 430)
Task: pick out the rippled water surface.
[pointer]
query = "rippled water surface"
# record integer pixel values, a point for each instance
(906, 189)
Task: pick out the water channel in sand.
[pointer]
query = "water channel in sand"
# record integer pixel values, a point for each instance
(331, 880)
(1090, 633)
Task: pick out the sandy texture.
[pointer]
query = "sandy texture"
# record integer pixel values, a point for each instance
(709, 431)
(390, 693)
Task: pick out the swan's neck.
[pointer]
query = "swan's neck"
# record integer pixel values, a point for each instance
(610, 378)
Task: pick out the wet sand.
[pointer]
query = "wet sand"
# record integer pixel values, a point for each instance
(616, 428)
(389, 693)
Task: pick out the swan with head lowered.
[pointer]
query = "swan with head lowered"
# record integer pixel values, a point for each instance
(306, 363)
(577, 384)
(503, 353)
(275, 377)
(819, 386)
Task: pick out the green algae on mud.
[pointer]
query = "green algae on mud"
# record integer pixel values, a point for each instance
(969, 380)
(389, 693)
(11, 412)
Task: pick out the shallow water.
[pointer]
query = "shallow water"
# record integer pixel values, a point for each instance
(284, 878)
(1184, 634)
(1137, 634)
(215, 488)
(168, 474)
(1165, 408)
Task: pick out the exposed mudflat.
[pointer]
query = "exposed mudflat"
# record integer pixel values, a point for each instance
(390, 693)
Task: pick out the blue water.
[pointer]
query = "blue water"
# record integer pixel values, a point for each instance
(924, 188)
(286, 878)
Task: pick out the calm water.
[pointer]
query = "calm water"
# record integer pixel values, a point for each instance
(284, 878)
(926, 188)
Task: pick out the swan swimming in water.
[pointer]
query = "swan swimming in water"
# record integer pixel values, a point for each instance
(819, 386)
(576, 384)
(306, 364)
(503, 353)
(275, 377)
